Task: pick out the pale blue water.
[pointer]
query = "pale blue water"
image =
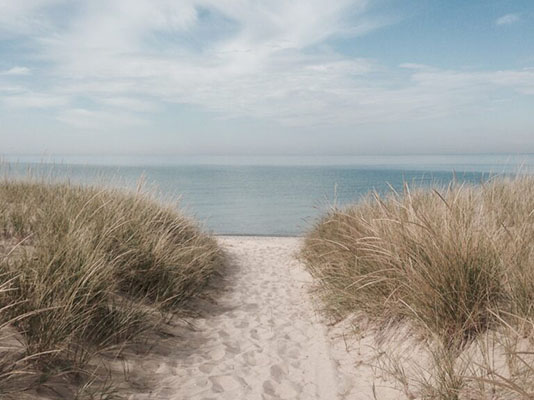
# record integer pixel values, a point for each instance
(270, 195)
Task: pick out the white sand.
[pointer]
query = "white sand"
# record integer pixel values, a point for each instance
(259, 337)
(264, 341)
(262, 337)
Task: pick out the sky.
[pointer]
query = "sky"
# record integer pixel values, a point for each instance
(303, 77)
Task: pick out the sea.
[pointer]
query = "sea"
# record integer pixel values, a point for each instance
(266, 195)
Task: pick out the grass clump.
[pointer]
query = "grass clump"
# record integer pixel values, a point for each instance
(81, 269)
(453, 263)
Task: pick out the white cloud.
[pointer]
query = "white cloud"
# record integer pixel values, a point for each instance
(507, 19)
(16, 71)
(130, 103)
(414, 66)
(95, 120)
(239, 58)
(106, 53)
(33, 100)
(25, 17)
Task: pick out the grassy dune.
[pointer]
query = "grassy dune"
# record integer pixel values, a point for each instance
(455, 265)
(83, 270)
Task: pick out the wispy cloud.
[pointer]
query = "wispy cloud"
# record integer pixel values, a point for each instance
(95, 120)
(130, 103)
(16, 71)
(269, 60)
(29, 99)
(25, 17)
(507, 19)
(127, 53)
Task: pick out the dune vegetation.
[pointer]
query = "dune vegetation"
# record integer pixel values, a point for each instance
(84, 270)
(455, 265)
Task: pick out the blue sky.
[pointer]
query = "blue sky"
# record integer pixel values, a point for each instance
(266, 77)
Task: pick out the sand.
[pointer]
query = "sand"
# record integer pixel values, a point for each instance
(258, 336)
(258, 333)
(262, 340)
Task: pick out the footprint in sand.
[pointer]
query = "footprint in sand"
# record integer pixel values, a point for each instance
(266, 342)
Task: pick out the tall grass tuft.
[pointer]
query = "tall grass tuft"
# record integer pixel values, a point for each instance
(81, 269)
(453, 263)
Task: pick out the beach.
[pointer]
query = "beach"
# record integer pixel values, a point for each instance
(213, 317)
(263, 200)
(263, 340)
(260, 337)
(268, 317)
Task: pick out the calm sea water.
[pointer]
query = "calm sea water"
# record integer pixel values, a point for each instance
(268, 195)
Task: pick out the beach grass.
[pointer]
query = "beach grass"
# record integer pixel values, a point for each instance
(454, 264)
(85, 269)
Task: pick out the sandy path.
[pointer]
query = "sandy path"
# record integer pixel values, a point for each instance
(254, 335)
(263, 341)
